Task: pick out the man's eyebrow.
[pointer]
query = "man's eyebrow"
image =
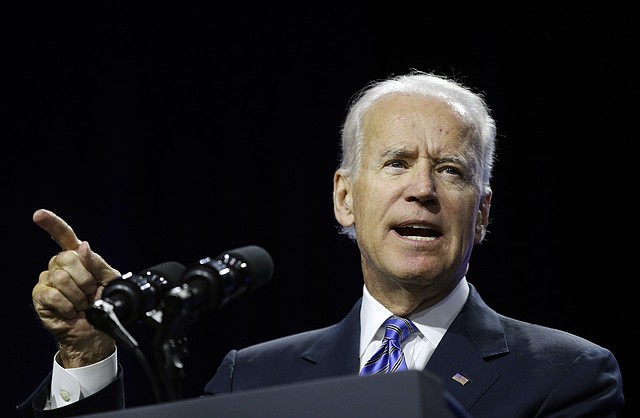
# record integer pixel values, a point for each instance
(394, 152)
(452, 159)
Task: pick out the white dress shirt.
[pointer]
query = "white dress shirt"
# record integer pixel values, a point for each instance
(432, 323)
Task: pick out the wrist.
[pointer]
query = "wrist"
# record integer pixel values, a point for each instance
(69, 357)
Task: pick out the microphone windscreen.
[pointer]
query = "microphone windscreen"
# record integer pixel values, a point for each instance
(171, 270)
(259, 263)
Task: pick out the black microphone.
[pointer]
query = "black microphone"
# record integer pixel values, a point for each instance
(212, 282)
(132, 296)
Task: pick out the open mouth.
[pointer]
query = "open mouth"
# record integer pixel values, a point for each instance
(418, 232)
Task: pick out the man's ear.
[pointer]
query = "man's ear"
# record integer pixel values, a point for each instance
(342, 199)
(482, 222)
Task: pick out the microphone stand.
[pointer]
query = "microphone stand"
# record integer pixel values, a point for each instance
(170, 344)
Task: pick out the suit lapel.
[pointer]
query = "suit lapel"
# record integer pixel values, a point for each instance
(336, 351)
(475, 334)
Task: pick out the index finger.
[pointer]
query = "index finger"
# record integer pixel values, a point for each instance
(59, 230)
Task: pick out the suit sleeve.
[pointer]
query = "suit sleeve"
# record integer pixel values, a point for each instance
(108, 399)
(222, 380)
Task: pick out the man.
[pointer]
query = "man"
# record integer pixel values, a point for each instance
(413, 191)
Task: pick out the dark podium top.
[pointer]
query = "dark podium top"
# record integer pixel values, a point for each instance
(409, 394)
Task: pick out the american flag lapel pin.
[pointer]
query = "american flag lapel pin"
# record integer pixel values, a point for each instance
(458, 377)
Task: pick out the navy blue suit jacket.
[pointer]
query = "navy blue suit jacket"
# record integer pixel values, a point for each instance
(514, 369)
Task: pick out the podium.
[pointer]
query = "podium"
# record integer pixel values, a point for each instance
(409, 394)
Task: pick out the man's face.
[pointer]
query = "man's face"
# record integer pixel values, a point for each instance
(415, 200)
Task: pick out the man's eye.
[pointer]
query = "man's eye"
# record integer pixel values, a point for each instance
(451, 170)
(396, 164)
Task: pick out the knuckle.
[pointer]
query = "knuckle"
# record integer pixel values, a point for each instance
(66, 258)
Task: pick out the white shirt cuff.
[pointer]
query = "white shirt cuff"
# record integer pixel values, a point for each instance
(71, 385)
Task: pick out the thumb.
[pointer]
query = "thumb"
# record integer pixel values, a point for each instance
(93, 262)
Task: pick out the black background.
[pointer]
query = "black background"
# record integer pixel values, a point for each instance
(175, 132)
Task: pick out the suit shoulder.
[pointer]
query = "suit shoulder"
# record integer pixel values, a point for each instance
(493, 329)
(538, 336)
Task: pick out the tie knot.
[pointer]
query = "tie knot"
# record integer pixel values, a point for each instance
(398, 329)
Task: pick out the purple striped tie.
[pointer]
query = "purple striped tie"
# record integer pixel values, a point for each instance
(390, 358)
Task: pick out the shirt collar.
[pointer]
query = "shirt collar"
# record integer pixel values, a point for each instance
(432, 322)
